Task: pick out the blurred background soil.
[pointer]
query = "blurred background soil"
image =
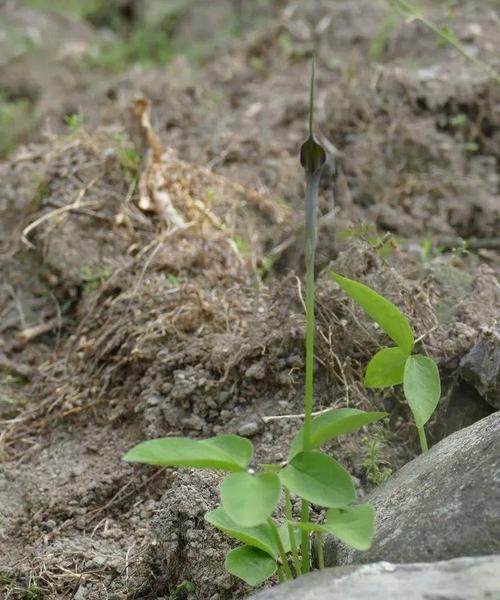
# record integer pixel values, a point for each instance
(151, 274)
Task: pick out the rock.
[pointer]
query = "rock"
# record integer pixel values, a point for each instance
(464, 407)
(459, 579)
(250, 427)
(442, 505)
(481, 366)
(256, 371)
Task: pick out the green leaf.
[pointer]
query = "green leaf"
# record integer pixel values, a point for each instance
(422, 387)
(354, 526)
(383, 312)
(333, 423)
(319, 479)
(250, 564)
(386, 368)
(226, 452)
(249, 500)
(260, 536)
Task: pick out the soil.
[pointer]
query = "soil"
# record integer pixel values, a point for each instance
(151, 275)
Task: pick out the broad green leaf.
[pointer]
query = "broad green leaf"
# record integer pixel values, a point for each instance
(260, 536)
(333, 423)
(249, 500)
(383, 312)
(226, 452)
(354, 526)
(319, 479)
(386, 368)
(250, 564)
(422, 387)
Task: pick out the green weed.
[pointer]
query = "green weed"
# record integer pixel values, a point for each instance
(250, 493)
(93, 276)
(407, 10)
(130, 158)
(181, 590)
(74, 123)
(15, 122)
(375, 469)
(397, 365)
(147, 44)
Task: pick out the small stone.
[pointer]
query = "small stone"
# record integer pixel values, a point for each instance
(193, 422)
(249, 428)
(99, 561)
(256, 371)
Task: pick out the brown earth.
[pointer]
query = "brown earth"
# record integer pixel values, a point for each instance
(163, 296)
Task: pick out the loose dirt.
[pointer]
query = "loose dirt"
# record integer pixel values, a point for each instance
(152, 280)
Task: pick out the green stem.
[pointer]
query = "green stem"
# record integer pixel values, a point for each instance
(414, 14)
(309, 387)
(319, 547)
(284, 560)
(308, 401)
(423, 439)
(291, 534)
(281, 575)
(304, 538)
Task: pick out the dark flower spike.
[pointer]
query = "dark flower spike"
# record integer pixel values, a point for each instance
(312, 154)
(312, 159)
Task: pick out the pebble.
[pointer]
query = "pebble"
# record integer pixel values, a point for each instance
(250, 427)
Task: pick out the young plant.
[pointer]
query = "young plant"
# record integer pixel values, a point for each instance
(397, 365)
(411, 13)
(250, 495)
(376, 470)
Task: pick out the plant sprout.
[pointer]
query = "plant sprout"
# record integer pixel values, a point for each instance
(397, 365)
(410, 13)
(250, 494)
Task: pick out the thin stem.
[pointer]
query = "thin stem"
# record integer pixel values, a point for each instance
(311, 99)
(281, 549)
(450, 39)
(291, 534)
(309, 387)
(319, 548)
(281, 575)
(304, 538)
(423, 439)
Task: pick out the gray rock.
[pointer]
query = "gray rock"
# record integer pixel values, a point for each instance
(481, 366)
(250, 427)
(442, 505)
(459, 579)
(465, 406)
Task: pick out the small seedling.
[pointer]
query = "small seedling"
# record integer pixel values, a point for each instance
(445, 34)
(181, 590)
(376, 471)
(397, 365)
(130, 159)
(93, 276)
(250, 494)
(74, 123)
